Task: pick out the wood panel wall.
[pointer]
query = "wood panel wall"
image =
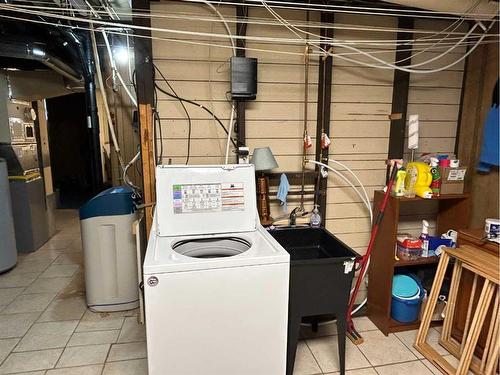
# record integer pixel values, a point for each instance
(482, 74)
(360, 104)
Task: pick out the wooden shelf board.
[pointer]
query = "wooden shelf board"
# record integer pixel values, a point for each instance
(440, 198)
(417, 262)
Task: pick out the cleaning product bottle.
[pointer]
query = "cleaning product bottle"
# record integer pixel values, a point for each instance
(398, 189)
(419, 178)
(424, 237)
(315, 220)
(436, 177)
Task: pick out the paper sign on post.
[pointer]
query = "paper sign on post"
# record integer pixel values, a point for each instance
(413, 132)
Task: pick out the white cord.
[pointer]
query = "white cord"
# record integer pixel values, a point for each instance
(386, 65)
(229, 132)
(114, 31)
(126, 180)
(115, 69)
(367, 198)
(366, 202)
(105, 101)
(226, 26)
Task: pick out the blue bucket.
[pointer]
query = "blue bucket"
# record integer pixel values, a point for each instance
(405, 307)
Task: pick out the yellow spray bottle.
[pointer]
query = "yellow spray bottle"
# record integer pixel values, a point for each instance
(419, 179)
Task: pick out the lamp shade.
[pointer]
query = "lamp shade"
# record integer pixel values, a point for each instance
(263, 159)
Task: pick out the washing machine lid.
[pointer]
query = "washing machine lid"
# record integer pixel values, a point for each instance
(163, 257)
(206, 199)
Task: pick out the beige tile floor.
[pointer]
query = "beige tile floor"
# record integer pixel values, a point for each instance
(46, 329)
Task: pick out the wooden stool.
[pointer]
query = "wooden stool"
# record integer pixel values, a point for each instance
(483, 265)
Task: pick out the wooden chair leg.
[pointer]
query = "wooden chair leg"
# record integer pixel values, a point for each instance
(452, 300)
(432, 300)
(476, 325)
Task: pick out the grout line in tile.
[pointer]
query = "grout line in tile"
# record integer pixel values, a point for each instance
(397, 363)
(312, 353)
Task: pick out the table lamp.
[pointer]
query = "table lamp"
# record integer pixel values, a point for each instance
(263, 160)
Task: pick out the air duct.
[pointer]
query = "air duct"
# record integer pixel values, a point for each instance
(38, 52)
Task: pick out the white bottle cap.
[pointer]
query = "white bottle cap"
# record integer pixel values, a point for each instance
(425, 227)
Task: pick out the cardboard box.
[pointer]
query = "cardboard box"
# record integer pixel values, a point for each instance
(452, 180)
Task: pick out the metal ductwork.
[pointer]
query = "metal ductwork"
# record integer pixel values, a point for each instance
(469, 7)
(38, 52)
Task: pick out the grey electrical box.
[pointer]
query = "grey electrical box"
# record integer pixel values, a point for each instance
(243, 78)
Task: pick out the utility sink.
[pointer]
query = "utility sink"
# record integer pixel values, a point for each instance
(312, 244)
(321, 273)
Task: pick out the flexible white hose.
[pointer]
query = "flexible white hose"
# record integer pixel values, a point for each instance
(367, 198)
(226, 26)
(126, 180)
(366, 202)
(229, 132)
(385, 64)
(228, 30)
(115, 69)
(105, 100)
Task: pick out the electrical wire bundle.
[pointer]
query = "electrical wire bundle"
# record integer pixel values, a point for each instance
(470, 38)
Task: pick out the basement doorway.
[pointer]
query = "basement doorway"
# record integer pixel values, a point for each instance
(70, 150)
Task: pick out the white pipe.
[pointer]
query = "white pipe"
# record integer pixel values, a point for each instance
(366, 202)
(228, 30)
(229, 132)
(105, 100)
(125, 170)
(355, 177)
(115, 69)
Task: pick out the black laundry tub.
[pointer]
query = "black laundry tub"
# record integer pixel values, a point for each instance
(321, 273)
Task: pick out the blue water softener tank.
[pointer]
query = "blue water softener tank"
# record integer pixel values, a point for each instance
(109, 248)
(8, 252)
(407, 295)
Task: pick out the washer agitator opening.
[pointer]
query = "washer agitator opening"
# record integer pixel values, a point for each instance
(220, 247)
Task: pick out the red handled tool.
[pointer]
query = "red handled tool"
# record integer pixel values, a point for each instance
(353, 335)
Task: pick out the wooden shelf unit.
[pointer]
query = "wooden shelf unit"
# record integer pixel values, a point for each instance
(453, 213)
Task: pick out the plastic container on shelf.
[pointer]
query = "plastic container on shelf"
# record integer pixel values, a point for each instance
(408, 247)
(406, 253)
(407, 296)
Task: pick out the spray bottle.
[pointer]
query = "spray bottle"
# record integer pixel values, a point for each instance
(315, 220)
(424, 237)
(436, 177)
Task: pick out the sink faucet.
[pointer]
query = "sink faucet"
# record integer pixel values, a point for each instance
(293, 217)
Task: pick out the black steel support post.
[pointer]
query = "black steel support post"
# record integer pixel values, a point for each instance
(143, 53)
(323, 112)
(92, 117)
(400, 88)
(241, 30)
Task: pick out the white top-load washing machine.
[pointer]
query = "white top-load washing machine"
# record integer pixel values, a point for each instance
(216, 283)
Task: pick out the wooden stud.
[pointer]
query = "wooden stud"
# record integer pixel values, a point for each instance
(148, 162)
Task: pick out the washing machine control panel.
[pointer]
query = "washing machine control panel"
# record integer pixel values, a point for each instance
(205, 199)
(189, 198)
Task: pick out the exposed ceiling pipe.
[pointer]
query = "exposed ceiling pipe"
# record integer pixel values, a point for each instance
(38, 52)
